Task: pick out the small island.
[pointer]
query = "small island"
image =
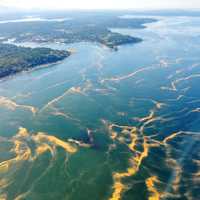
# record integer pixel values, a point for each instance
(15, 59)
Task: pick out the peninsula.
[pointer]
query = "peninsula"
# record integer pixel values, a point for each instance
(15, 59)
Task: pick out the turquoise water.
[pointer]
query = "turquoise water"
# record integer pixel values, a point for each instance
(106, 124)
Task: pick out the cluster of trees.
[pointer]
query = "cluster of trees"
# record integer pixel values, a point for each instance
(95, 28)
(82, 27)
(14, 59)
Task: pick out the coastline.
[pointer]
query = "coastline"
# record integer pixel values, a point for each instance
(31, 69)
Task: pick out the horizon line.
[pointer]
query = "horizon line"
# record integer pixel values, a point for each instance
(98, 9)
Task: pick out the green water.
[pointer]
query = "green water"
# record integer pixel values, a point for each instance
(132, 116)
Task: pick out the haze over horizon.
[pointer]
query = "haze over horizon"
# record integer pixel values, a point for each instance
(104, 4)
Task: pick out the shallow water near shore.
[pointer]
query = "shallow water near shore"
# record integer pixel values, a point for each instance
(107, 124)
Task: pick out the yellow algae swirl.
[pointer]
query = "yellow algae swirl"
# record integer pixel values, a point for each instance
(23, 152)
(72, 90)
(150, 183)
(11, 105)
(137, 141)
(41, 137)
(20, 149)
(134, 162)
(27, 147)
(118, 189)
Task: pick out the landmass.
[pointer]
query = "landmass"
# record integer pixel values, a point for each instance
(77, 28)
(84, 27)
(15, 59)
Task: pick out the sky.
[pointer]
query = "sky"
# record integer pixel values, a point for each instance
(101, 4)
